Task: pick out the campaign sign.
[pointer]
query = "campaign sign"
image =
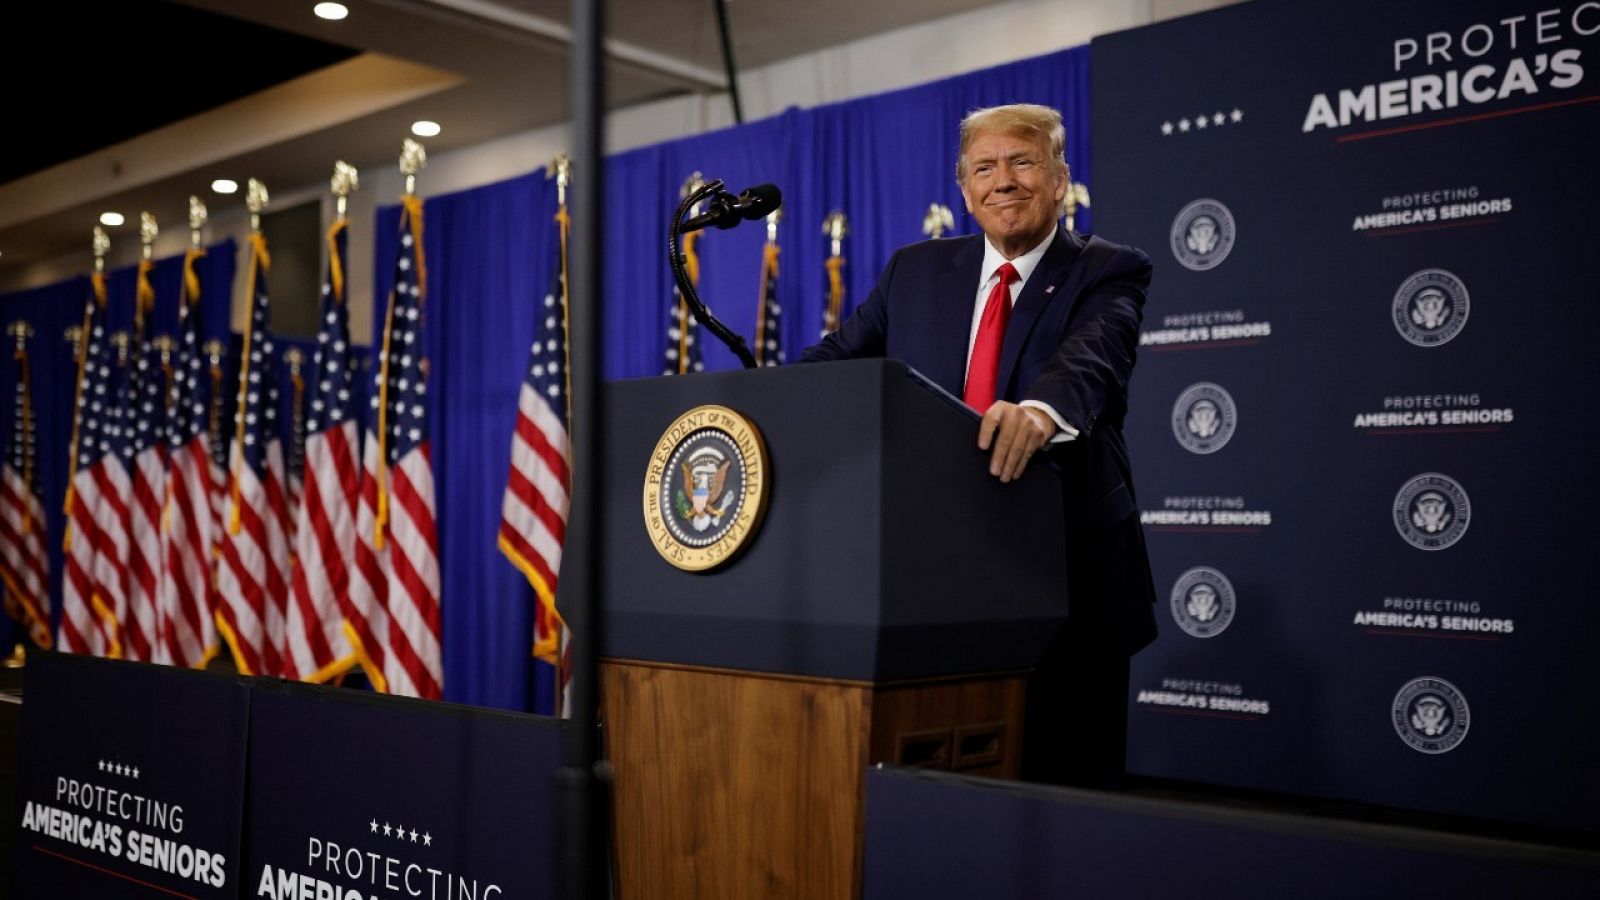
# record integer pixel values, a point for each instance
(941, 836)
(1359, 425)
(357, 796)
(130, 780)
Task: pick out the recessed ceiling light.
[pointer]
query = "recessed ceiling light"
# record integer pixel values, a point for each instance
(225, 186)
(425, 128)
(111, 219)
(333, 12)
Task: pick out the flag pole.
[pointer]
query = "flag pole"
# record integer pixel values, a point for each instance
(583, 782)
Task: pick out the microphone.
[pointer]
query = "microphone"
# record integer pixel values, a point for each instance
(726, 210)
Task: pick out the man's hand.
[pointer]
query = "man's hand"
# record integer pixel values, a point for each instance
(1016, 432)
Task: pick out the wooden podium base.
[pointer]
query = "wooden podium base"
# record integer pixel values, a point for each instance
(744, 785)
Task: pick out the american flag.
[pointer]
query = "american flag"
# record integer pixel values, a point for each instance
(533, 513)
(296, 451)
(218, 442)
(253, 576)
(393, 605)
(188, 634)
(145, 457)
(97, 545)
(24, 566)
(325, 529)
(769, 341)
(683, 332)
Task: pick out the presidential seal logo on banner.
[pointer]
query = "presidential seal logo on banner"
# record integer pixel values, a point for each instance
(1430, 715)
(706, 488)
(1202, 602)
(1202, 235)
(1431, 307)
(1204, 417)
(1432, 511)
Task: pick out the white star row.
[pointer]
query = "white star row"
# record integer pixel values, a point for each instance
(1203, 121)
(399, 831)
(119, 769)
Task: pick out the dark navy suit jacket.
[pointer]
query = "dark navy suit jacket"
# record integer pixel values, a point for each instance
(1071, 344)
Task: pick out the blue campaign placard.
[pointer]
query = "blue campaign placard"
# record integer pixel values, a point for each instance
(1359, 423)
(939, 836)
(355, 795)
(130, 780)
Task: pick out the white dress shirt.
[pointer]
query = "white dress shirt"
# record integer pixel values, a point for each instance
(1024, 266)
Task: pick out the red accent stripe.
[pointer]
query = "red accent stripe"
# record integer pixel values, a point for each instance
(1477, 117)
(1464, 429)
(113, 873)
(1435, 227)
(1202, 345)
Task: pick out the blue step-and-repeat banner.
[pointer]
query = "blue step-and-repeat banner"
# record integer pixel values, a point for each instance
(1362, 419)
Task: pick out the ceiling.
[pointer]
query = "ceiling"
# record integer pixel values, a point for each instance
(193, 90)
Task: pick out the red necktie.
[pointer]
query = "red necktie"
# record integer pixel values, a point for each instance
(986, 349)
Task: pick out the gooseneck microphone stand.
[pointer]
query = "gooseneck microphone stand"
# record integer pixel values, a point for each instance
(680, 274)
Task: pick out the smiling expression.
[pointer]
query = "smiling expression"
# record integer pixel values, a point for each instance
(1013, 189)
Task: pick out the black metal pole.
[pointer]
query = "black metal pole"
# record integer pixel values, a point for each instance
(727, 60)
(583, 781)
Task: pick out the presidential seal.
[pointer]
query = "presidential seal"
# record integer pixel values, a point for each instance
(1203, 418)
(705, 488)
(1202, 602)
(1430, 715)
(1431, 511)
(1430, 307)
(1202, 235)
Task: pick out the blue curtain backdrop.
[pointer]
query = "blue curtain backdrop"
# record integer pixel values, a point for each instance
(490, 260)
(51, 310)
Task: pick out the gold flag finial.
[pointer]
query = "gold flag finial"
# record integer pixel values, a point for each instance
(938, 220)
(165, 344)
(345, 181)
(102, 246)
(1077, 195)
(21, 330)
(256, 200)
(121, 340)
(412, 159)
(295, 358)
(197, 219)
(561, 170)
(693, 183)
(835, 227)
(773, 218)
(72, 334)
(148, 231)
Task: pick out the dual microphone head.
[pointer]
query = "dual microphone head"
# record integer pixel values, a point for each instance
(726, 210)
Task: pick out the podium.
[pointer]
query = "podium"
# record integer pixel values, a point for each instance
(887, 610)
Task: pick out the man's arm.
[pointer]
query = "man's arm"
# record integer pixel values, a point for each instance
(1092, 364)
(865, 332)
(1095, 359)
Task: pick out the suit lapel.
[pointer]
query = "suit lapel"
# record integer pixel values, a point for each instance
(1035, 298)
(953, 299)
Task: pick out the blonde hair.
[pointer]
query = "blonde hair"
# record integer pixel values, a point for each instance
(1016, 118)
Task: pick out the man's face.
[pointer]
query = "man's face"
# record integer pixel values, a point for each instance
(1012, 189)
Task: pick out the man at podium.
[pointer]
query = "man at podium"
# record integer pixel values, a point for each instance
(1036, 327)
